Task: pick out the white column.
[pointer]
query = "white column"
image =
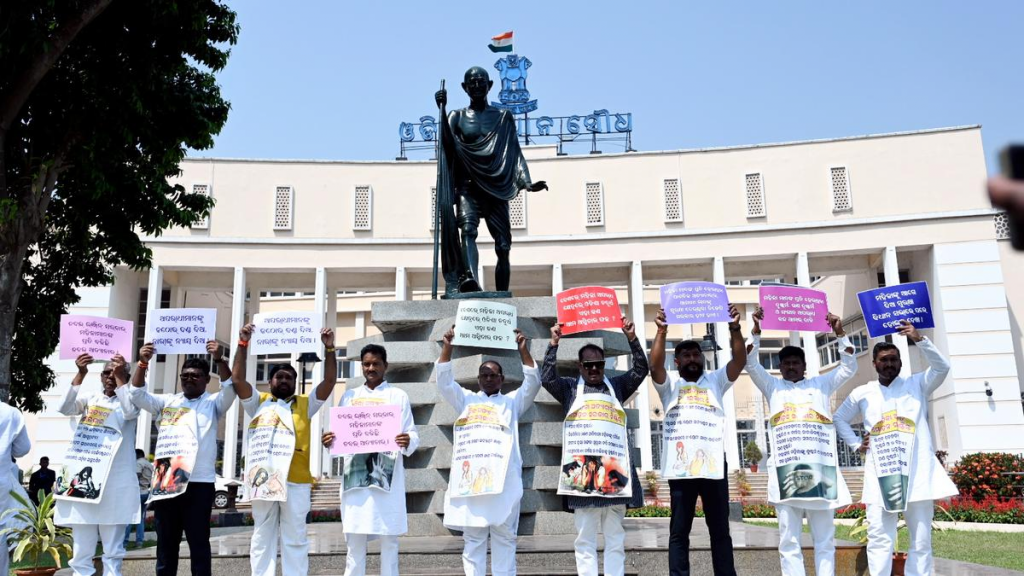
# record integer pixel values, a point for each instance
(325, 411)
(401, 283)
(231, 418)
(556, 279)
(643, 400)
(732, 452)
(156, 369)
(251, 307)
(891, 269)
(803, 278)
(320, 308)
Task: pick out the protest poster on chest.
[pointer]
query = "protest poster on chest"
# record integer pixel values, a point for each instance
(271, 447)
(177, 445)
(804, 452)
(88, 459)
(481, 448)
(693, 433)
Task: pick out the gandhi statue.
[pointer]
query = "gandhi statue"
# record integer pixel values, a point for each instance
(480, 168)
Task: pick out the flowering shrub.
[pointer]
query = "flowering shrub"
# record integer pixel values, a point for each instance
(853, 511)
(990, 509)
(983, 475)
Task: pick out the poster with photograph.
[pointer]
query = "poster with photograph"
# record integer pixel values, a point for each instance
(804, 453)
(693, 436)
(481, 450)
(892, 443)
(177, 444)
(271, 446)
(89, 457)
(595, 450)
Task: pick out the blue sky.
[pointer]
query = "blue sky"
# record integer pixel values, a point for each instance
(332, 80)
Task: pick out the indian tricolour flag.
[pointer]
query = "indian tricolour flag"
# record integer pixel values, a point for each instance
(501, 42)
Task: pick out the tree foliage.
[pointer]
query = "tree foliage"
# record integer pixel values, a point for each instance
(87, 155)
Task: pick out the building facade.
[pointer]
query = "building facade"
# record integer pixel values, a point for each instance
(842, 215)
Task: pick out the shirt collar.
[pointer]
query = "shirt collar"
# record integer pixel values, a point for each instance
(382, 386)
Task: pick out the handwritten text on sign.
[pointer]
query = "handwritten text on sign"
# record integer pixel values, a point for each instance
(794, 308)
(695, 302)
(181, 330)
(94, 335)
(282, 332)
(588, 308)
(365, 429)
(884, 308)
(485, 324)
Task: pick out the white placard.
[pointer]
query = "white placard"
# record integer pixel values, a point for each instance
(286, 332)
(485, 325)
(181, 330)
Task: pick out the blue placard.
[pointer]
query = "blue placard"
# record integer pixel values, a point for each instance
(884, 308)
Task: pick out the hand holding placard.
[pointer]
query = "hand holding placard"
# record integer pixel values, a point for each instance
(695, 302)
(587, 308)
(96, 336)
(885, 307)
(282, 332)
(793, 308)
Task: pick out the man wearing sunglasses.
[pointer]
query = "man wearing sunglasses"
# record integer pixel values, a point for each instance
(596, 512)
(488, 422)
(696, 395)
(190, 417)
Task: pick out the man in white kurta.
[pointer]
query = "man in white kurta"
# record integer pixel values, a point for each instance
(282, 515)
(795, 390)
(377, 510)
(187, 512)
(487, 514)
(906, 398)
(105, 519)
(14, 443)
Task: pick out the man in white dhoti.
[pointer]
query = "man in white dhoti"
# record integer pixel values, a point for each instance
(186, 456)
(803, 476)
(14, 443)
(486, 444)
(369, 509)
(901, 472)
(102, 512)
(281, 418)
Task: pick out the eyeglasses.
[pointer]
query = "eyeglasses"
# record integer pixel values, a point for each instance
(190, 376)
(106, 373)
(488, 376)
(594, 365)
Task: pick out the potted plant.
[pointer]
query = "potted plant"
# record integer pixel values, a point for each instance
(752, 454)
(651, 486)
(742, 486)
(35, 533)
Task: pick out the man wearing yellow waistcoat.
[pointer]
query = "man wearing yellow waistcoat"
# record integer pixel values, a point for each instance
(277, 477)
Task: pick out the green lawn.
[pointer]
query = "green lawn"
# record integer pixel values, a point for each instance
(988, 548)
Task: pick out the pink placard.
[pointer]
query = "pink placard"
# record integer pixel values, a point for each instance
(794, 308)
(365, 429)
(588, 308)
(95, 335)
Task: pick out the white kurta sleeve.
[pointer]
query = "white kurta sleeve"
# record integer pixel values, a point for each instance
(71, 404)
(226, 397)
(764, 381)
(314, 405)
(842, 418)
(22, 444)
(409, 427)
(131, 411)
(845, 371)
(528, 391)
(252, 404)
(152, 403)
(449, 388)
(938, 367)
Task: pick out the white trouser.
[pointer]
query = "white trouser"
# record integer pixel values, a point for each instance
(86, 536)
(287, 519)
(5, 556)
(589, 521)
(503, 547)
(823, 531)
(882, 538)
(355, 557)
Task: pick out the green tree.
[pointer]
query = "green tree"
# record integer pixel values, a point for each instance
(99, 100)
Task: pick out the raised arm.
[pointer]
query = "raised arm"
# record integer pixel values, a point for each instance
(938, 366)
(71, 405)
(141, 397)
(243, 388)
(549, 369)
(446, 384)
(119, 370)
(657, 357)
(847, 361)
(326, 386)
(738, 346)
(627, 384)
(764, 381)
(526, 393)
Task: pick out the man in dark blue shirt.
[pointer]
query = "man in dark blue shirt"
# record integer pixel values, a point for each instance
(41, 479)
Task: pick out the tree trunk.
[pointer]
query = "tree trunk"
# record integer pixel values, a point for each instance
(10, 292)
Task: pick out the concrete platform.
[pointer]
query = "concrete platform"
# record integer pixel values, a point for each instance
(755, 550)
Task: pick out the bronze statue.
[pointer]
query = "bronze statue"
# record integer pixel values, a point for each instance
(480, 168)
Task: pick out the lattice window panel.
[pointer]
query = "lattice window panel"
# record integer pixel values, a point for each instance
(595, 204)
(433, 207)
(755, 196)
(284, 203)
(1002, 222)
(842, 201)
(362, 209)
(203, 189)
(517, 211)
(673, 200)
